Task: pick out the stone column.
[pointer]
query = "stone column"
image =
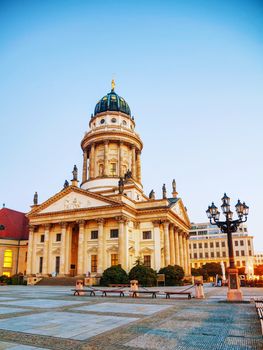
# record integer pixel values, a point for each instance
(46, 250)
(92, 161)
(81, 247)
(123, 242)
(166, 244)
(120, 159)
(185, 254)
(106, 158)
(177, 251)
(85, 166)
(181, 250)
(101, 252)
(188, 256)
(172, 248)
(157, 245)
(133, 162)
(138, 168)
(63, 248)
(30, 250)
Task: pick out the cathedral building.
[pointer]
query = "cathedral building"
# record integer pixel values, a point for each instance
(106, 219)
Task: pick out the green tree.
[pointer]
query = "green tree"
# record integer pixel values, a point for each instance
(114, 275)
(146, 276)
(173, 274)
(212, 269)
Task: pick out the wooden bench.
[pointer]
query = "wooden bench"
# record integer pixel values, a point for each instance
(110, 291)
(259, 309)
(135, 292)
(77, 291)
(119, 285)
(168, 294)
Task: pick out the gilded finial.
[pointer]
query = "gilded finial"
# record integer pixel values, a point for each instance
(112, 85)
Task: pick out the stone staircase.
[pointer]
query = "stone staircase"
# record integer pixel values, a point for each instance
(58, 281)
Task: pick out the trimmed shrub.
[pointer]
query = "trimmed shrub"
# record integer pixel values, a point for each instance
(173, 274)
(146, 276)
(114, 275)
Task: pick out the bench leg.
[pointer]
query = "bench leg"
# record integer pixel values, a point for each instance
(189, 296)
(167, 296)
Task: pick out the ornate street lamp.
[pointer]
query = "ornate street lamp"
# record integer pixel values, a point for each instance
(229, 226)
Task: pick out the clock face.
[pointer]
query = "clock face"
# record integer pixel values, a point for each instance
(2, 227)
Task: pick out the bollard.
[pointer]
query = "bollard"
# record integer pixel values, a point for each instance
(134, 287)
(79, 285)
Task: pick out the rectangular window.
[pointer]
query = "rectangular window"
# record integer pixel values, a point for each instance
(8, 257)
(241, 242)
(196, 265)
(94, 263)
(245, 229)
(249, 253)
(206, 245)
(190, 256)
(40, 264)
(206, 255)
(42, 238)
(57, 264)
(113, 169)
(242, 253)
(238, 263)
(211, 245)
(223, 244)
(58, 237)
(201, 255)
(212, 254)
(200, 245)
(217, 244)
(114, 233)
(224, 254)
(243, 263)
(218, 254)
(237, 253)
(94, 234)
(114, 259)
(195, 255)
(147, 235)
(194, 245)
(147, 260)
(248, 242)
(236, 243)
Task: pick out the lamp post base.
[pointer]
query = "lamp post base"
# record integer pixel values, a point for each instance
(234, 293)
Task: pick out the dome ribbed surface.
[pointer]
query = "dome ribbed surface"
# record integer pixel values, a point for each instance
(112, 102)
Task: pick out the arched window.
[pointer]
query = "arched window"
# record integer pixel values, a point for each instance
(8, 258)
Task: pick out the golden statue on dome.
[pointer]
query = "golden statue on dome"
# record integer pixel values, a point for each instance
(112, 85)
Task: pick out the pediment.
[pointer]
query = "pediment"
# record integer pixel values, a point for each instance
(179, 209)
(72, 198)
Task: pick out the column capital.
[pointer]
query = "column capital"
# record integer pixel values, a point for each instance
(121, 218)
(31, 228)
(47, 226)
(63, 224)
(100, 221)
(166, 223)
(136, 224)
(156, 223)
(106, 142)
(81, 222)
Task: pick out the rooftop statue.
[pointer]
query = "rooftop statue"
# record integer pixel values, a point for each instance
(35, 200)
(164, 191)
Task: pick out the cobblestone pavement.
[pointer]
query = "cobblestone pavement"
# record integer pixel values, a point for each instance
(41, 317)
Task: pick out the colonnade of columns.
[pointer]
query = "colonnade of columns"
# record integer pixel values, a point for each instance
(176, 247)
(89, 157)
(82, 253)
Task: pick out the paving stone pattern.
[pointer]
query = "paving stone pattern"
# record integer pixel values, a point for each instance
(45, 317)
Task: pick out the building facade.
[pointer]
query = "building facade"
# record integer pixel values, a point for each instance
(13, 242)
(208, 244)
(108, 219)
(258, 259)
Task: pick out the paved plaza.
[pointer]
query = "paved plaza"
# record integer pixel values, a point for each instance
(41, 317)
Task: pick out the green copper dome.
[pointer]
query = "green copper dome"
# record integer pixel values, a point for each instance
(112, 102)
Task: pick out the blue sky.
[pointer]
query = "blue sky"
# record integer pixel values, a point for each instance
(191, 71)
